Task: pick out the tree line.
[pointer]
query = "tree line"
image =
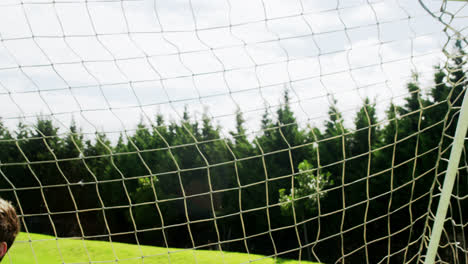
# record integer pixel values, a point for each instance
(182, 184)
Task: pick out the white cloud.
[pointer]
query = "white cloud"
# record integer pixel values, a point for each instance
(378, 57)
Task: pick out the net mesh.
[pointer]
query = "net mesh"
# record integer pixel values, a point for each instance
(304, 130)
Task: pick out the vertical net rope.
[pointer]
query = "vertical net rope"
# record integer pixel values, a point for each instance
(246, 131)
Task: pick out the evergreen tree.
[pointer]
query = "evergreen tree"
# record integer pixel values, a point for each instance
(181, 172)
(333, 150)
(8, 153)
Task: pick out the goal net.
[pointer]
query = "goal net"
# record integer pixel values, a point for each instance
(234, 131)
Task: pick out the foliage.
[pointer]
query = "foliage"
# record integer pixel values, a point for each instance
(186, 176)
(310, 185)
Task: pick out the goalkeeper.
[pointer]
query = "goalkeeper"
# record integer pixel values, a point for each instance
(9, 226)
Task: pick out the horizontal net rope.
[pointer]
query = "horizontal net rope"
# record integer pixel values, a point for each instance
(141, 131)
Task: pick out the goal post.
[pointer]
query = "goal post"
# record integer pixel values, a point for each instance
(449, 182)
(235, 131)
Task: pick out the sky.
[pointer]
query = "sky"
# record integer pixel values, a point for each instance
(109, 64)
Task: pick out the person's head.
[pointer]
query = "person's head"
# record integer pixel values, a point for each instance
(9, 226)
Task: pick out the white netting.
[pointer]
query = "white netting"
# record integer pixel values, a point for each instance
(306, 130)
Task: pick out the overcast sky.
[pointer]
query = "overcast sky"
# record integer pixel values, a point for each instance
(77, 59)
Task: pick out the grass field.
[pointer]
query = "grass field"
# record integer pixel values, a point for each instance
(47, 250)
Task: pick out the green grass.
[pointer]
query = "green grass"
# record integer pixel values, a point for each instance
(47, 250)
